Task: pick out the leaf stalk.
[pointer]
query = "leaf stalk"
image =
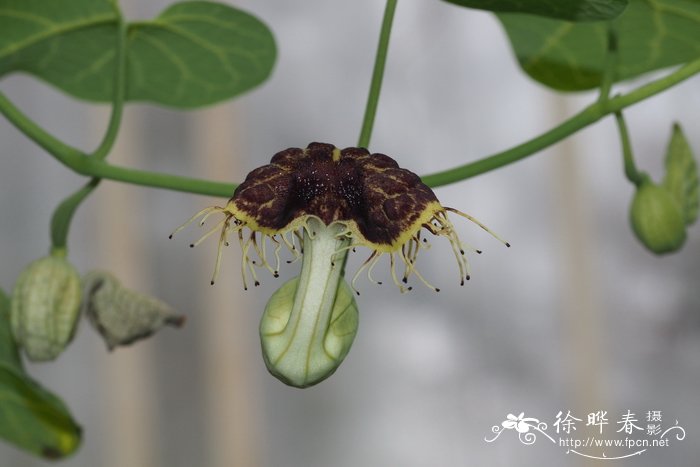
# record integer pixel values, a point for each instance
(377, 74)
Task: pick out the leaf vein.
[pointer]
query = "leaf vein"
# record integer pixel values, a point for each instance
(58, 30)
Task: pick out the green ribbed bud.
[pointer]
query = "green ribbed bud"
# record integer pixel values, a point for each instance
(310, 322)
(45, 307)
(657, 219)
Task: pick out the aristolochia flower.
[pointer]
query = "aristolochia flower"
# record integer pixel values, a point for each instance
(320, 202)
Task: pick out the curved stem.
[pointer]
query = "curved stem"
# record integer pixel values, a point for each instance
(75, 160)
(587, 116)
(61, 151)
(630, 167)
(115, 118)
(78, 161)
(377, 75)
(63, 214)
(101, 169)
(610, 64)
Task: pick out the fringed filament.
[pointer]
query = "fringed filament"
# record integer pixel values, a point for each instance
(477, 222)
(438, 225)
(255, 253)
(254, 250)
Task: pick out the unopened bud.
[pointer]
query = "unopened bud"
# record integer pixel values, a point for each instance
(657, 219)
(45, 307)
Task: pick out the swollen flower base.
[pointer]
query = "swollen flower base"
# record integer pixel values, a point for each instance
(320, 202)
(310, 322)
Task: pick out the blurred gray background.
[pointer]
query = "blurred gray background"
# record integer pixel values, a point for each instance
(575, 316)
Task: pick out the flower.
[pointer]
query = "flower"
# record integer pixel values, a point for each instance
(321, 202)
(378, 205)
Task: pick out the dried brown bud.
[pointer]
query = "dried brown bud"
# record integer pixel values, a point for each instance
(123, 316)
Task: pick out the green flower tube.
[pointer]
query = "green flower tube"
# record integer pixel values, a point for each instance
(310, 322)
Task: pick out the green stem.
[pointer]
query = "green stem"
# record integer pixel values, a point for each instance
(104, 170)
(76, 161)
(610, 64)
(61, 151)
(630, 167)
(63, 214)
(587, 116)
(118, 97)
(80, 163)
(377, 75)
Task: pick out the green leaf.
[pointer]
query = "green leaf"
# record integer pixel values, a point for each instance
(9, 354)
(651, 34)
(681, 178)
(198, 52)
(193, 54)
(30, 417)
(570, 10)
(34, 419)
(61, 42)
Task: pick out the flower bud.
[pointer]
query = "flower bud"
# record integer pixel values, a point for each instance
(123, 316)
(657, 219)
(45, 307)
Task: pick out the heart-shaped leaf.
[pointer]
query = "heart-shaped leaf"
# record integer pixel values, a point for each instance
(198, 52)
(193, 54)
(569, 10)
(651, 34)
